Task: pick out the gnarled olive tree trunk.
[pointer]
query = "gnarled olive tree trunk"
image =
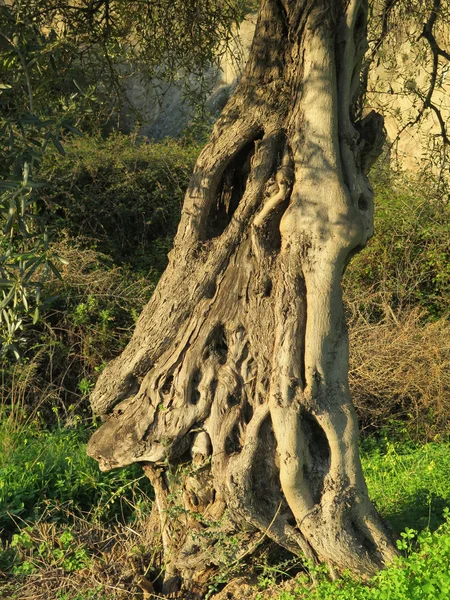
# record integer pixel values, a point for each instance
(237, 370)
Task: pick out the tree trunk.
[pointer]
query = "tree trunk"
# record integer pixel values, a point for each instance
(233, 390)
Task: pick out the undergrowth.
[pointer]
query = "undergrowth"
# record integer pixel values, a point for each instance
(397, 298)
(407, 481)
(423, 574)
(406, 264)
(72, 533)
(113, 206)
(41, 468)
(400, 370)
(123, 193)
(85, 530)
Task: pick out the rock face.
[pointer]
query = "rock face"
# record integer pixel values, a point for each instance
(394, 89)
(398, 85)
(163, 111)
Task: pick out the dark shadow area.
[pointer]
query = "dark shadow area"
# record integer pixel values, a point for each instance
(317, 463)
(420, 511)
(230, 191)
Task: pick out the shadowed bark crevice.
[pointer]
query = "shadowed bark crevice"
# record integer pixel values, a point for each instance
(231, 189)
(317, 456)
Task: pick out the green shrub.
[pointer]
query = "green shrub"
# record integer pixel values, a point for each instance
(124, 194)
(407, 263)
(56, 552)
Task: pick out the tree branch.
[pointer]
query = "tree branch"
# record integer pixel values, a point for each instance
(428, 34)
(437, 52)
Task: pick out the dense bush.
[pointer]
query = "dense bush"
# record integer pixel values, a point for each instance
(407, 263)
(400, 371)
(123, 193)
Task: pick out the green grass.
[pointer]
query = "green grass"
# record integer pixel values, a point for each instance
(424, 574)
(41, 468)
(407, 482)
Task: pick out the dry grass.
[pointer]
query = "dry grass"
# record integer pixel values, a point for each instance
(90, 320)
(89, 272)
(400, 368)
(120, 560)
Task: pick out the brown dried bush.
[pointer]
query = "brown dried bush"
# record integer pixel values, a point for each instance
(121, 561)
(400, 369)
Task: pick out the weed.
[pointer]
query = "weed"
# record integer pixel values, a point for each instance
(57, 551)
(50, 468)
(408, 482)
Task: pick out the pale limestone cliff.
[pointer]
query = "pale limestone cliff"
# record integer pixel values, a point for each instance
(398, 79)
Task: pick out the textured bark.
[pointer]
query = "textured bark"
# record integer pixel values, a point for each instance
(233, 390)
